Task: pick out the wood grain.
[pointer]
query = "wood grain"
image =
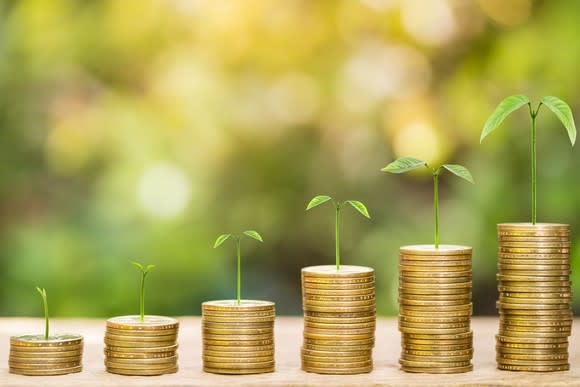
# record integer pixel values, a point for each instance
(288, 341)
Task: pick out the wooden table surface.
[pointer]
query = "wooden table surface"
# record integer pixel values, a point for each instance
(288, 373)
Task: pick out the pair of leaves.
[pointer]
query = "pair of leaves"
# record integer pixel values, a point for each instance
(42, 292)
(405, 164)
(514, 102)
(320, 199)
(251, 233)
(141, 268)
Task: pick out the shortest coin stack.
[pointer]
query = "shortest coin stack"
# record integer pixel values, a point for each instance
(35, 356)
(339, 319)
(534, 297)
(141, 348)
(435, 309)
(238, 338)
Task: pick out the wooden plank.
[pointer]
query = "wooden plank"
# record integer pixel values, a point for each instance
(288, 341)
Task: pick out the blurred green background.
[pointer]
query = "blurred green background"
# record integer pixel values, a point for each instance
(142, 129)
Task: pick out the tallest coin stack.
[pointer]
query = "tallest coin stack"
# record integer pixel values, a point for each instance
(534, 297)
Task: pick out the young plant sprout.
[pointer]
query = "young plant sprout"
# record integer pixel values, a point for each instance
(318, 200)
(405, 164)
(222, 238)
(42, 293)
(144, 271)
(514, 102)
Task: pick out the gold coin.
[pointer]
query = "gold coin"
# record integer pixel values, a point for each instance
(537, 312)
(536, 329)
(38, 341)
(337, 371)
(534, 262)
(434, 303)
(112, 363)
(338, 327)
(120, 362)
(438, 343)
(537, 323)
(249, 371)
(340, 320)
(531, 340)
(241, 320)
(143, 372)
(534, 267)
(233, 305)
(238, 337)
(338, 348)
(239, 313)
(336, 365)
(433, 330)
(239, 343)
(434, 364)
(538, 296)
(141, 338)
(44, 365)
(338, 283)
(335, 354)
(333, 335)
(348, 333)
(512, 304)
(439, 336)
(238, 349)
(436, 347)
(430, 326)
(533, 226)
(337, 293)
(433, 269)
(556, 362)
(45, 372)
(341, 304)
(337, 341)
(222, 365)
(143, 332)
(335, 360)
(149, 323)
(436, 286)
(464, 297)
(340, 309)
(534, 368)
(533, 357)
(534, 289)
(532, 334)
(533, 346)
(432, 281)
(534, 250)
(341, 314)
(438, 354)
(241, 355)
(139, 355)
(452, 370)
(430, 358)
(434, 291)
(503, 277)
(445, 250)
(536, 244)
(531, 351)
(463, 275)
(428, 312)
(237, 326)
(148, 349)
(137, 344)
(340, 298)
(549, 238)
(44, 360)
(345, 271)
(238, 360)
(440, 259)
(238, 331)
(435, 320)
(18, 352)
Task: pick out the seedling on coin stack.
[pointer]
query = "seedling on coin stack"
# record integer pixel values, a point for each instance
(434, 293)
(46, 354)
(141, 344)
(339, 309)
(238, 335)
(533, 268)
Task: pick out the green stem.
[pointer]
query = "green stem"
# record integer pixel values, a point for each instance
(436, 205)
(337, 236)
(142, 297)
(239, 269)
(46, 326)
(534, 169)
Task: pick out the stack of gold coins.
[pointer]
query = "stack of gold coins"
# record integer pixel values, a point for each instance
(34, 355)
(339, 319)
(135, 347)
(238, 338)
(534, 297)
(435, 309)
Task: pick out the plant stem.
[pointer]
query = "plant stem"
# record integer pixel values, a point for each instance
(534, 169)
(436, 205)
(337, 236)
(142, 297)
(46, 326)
(239, 269)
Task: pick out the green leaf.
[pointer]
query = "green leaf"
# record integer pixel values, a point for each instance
(359, 207)
(504, 109)
(564, 114)
(149, 268)
(404, 164)
(459, 170)
(41, 291)
(138, 266)
(221, 239)
(318, 200)
(254, 234)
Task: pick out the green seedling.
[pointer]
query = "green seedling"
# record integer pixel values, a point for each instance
(513, 103)
(405, 164)
(144, 271)
(222, 238)
(42, 293)
(318, 200)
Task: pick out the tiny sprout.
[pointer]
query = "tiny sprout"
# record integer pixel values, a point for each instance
(222, 238)
(144, 271)
(320, 199)
(405, 164)
(42, 293)
(513, 103)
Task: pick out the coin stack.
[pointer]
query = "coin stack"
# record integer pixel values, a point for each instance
(238, 338)
(339, 319)
(435, 309)
(534, 297)
(141, 348)
(33, 355)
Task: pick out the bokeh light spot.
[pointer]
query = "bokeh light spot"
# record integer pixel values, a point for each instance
(164, 190)
(428, 22)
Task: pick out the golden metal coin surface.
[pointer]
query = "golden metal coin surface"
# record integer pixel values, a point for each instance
(150, 322)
